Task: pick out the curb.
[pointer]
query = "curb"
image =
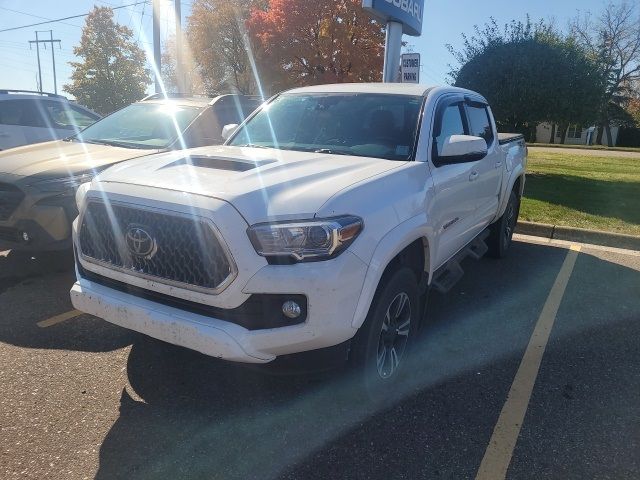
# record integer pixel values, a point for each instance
(580, 235)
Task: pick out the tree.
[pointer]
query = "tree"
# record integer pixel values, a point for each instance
(112, 72)
(529, 74)
(191, 79)
(221, 47)
(306, 42)
(613, 41)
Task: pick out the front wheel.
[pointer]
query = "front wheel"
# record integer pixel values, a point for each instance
(501, 232)
(383, 342)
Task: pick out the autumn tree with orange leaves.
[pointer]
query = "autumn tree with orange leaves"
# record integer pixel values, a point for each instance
(307, 42)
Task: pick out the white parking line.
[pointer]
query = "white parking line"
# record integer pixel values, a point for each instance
(59, 318)
(498, 455)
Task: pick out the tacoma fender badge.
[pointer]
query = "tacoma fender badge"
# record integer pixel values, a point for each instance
(449, 223)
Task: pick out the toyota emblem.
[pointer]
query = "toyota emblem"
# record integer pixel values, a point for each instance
(140, 242)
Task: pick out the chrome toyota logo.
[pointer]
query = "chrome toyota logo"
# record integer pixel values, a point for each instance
(140, 242)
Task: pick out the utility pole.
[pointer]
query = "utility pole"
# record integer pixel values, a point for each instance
(37, 42)
(53, 61)
(51, 40)
(156, 44)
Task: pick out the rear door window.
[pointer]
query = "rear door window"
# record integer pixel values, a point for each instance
(479, 124)
(20, 113)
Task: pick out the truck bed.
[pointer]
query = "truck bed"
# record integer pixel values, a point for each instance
(509, 137)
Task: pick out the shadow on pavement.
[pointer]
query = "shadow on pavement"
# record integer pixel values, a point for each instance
(189, 416)
(15, 267)
(33, 289)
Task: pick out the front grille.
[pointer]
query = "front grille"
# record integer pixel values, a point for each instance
(10, 198)
(186, 249)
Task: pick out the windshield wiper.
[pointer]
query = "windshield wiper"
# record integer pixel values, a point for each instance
(115, 143)
(333, 152)
(251, 145)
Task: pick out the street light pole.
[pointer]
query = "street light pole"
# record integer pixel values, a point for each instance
(180, 73)
(156, 44)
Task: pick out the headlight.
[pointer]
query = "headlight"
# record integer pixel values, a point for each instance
(305, 240)
(64, 183)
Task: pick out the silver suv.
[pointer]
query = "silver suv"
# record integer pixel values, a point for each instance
(38, 182)
(28, 117)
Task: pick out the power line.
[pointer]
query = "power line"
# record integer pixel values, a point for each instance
(36, 16)
(65, 18)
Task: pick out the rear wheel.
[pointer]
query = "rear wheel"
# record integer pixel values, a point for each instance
(501, 232)
(384, 340)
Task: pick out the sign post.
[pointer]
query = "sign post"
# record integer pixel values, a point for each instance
(402, 16)
(410, 68)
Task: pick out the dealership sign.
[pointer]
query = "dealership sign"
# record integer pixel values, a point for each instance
(406, 12)
(410, 68)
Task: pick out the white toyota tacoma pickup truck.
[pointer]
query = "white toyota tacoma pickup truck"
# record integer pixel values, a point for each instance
(318, 227)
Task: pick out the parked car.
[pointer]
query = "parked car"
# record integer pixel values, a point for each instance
(38, 182)
(317, 227)
(32, 117)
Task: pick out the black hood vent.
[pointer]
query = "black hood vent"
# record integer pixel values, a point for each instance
(219, 163)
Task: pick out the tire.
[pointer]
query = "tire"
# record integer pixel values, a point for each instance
(501, 232)
(381, 346)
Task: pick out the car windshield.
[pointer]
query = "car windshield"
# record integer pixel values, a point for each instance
(141, 125)
(370, 125)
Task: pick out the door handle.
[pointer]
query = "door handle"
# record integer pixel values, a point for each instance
(473, 175)
(498, 163)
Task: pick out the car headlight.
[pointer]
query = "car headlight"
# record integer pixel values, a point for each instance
(64, 184)
(302, 241)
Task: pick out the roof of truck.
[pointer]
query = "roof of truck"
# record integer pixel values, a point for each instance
(390, 88)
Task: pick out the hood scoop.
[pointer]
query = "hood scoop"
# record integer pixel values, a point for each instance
(219, 163)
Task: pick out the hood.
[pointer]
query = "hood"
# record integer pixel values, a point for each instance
(60, 158)
(263, 184)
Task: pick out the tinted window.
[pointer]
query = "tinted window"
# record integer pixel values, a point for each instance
(479, 125)
(369, 125)
(66, 116)
(20, 112)
(451, 124)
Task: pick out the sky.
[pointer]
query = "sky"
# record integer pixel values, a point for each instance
(443, 23)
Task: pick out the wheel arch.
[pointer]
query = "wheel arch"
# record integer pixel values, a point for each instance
(406, 245)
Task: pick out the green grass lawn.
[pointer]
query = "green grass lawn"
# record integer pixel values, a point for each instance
(586, 147)
(601, 193)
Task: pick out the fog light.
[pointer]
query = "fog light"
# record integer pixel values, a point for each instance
(291, 309)
(25, 236)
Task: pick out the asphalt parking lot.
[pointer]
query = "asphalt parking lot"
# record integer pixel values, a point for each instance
(84, 399)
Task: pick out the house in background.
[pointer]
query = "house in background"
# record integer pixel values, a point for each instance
(576, 135)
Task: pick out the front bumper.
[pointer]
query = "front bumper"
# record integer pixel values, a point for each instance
(46, 218)
(206, 335)
(332, 289)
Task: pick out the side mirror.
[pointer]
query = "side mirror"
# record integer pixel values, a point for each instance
(227, 130)
(462, 148)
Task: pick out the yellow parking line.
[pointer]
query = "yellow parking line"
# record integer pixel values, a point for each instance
(59, 318)
(505, 434)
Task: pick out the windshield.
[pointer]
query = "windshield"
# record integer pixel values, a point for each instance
(141, 125)
(371, 125)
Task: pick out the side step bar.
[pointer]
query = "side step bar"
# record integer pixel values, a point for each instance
(451, 272)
